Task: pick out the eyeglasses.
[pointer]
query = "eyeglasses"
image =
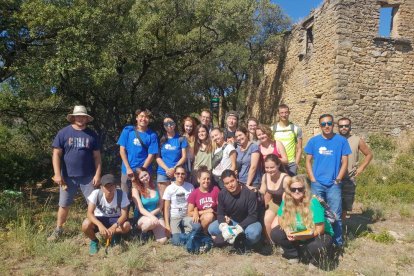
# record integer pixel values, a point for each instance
(343, 126)
(324, 124)
(295, 190)
(179, 173)
(169, 124)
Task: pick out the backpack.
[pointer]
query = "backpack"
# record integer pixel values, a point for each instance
(216, 159)
(198, 243)
(292, 128)
(331, 216)
(119, 195)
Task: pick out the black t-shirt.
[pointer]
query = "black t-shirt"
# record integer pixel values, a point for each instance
(241, 208)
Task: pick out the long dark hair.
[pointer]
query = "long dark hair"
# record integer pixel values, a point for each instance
(141, 186)
(198, 142)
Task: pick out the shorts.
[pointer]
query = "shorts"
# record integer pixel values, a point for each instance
(73, 183)
(163, 178)
(348, 193)
(106, 221)
(273, 206)
(292, 169)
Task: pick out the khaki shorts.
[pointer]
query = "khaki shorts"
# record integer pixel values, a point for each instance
(273, 206)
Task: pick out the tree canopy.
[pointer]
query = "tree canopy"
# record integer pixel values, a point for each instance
(114, 56)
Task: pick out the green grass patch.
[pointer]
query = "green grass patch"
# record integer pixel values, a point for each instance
(382, 237)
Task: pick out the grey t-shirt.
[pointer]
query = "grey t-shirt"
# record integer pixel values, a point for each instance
(244, 162)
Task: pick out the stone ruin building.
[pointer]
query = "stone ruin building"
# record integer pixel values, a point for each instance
(334, 61)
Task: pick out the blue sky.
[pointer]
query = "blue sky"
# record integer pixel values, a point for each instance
(299, 9)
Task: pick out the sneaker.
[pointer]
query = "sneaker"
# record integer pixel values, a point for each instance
(93, 247)
(56, 235)
(293, 261)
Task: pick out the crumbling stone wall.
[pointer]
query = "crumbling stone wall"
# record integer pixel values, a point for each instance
(347, 70)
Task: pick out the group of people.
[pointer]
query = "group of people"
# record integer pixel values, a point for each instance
(237, 185)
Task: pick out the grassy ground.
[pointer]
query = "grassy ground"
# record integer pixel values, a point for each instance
(379, 234)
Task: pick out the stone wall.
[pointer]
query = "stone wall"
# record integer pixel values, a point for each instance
(348, 70)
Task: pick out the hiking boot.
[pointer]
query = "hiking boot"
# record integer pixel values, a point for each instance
(93, 247)
(56, 235)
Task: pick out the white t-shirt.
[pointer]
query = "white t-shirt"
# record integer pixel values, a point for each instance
(108, 209)
(178, 196)
(225, 163)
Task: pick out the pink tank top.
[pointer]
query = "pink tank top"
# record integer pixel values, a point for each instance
(275, 152)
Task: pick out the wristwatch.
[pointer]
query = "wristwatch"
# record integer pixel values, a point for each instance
(117, 224)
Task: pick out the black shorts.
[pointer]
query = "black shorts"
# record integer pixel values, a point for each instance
(348, 193)
(106, 221)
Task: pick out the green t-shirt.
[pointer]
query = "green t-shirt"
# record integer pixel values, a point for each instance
(318, 216)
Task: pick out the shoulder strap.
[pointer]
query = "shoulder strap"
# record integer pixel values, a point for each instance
(140, 139)
(292, 128)
(119, 195)
(274, 127)
(98, 198)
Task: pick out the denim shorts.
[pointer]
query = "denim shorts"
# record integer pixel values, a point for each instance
(73, 183)
(163, 178)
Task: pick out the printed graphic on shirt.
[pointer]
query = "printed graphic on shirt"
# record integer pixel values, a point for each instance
(325, 151)
(170, 147)
(137, 142)
(79, 142)
(180, 197)
(206, 202)
(107, 210)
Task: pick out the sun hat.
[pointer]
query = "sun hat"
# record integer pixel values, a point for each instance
(79, 110)
(108, 179)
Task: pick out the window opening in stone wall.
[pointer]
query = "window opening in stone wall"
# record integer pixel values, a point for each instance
(387, 23)
(309, 39)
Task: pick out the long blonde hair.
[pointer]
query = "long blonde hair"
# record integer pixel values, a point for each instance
(291, 207)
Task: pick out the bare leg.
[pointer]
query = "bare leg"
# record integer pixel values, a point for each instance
(62, 215)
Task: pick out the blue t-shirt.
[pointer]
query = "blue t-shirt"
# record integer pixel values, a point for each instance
(136, 153)
(77, 148)
(171, 152)
(327, 154)
(244, 159)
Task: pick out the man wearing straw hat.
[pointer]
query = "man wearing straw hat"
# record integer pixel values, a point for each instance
(76, 163)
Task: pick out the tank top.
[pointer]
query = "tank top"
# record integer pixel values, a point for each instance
(353, 141)
(150, 203)
(276, 194)
(275, 151)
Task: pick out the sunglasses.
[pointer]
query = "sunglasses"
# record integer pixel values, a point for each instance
(343, 126)
(296, 190)
(179, 173)
(169, 124)
(324, 124)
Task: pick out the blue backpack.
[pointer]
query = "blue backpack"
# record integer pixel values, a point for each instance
(198, 243)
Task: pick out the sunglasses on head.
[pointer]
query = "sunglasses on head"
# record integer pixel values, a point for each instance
(343, 126)
(324, 124)
(300, 190)
(169, 124)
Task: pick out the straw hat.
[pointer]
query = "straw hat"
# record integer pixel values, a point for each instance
(79, 110)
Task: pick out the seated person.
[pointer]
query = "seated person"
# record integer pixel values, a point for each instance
(202, 202)
(237, 206)
(175, 206)
(148, 205)
(273, 188)
(107, 214)
(300, 211)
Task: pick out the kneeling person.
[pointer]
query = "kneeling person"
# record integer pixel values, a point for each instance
(237, 208)
(107, 213)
